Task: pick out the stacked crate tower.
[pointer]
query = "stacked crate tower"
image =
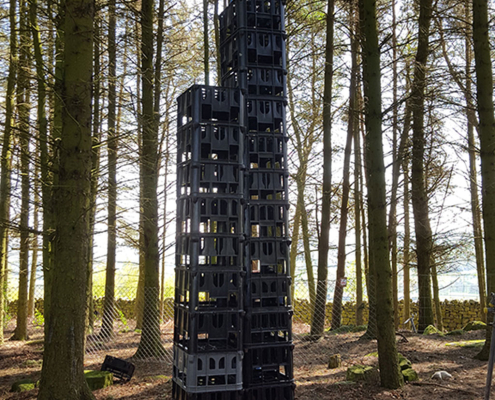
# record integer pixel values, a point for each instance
(232, 335)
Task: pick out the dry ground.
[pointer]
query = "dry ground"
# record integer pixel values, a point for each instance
(314, 381)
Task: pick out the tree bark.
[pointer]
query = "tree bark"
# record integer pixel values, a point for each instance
(62, 375)
(407, 241)
(5, 161)
(95, 167)
(484, 79)
(344, 210)
(206, 43)
(150, 344)
(473, 174)
(357, 219)
(112, 144)
(23, 110)
(390, 374)
(318, 318)
(34, 247)
(424, 244)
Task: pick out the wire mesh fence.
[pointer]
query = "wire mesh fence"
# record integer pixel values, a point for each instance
(126, 329)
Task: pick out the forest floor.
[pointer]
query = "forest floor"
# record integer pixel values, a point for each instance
(314, 380)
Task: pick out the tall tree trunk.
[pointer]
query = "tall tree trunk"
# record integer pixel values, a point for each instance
(392, 227)
(206, 43)
(216, 25)
(23, 110)
(473, 174)
(166, 162)
(380, 270)
(50, 165)
(5, 161)
(353, 114)
(370, 286)
(62, 375)
(42, 124)
(139, 307)
(34, 246)
(407, 241)
(424, 244)
(318, 318)
(109, 305)
(344, 210)
(150, 344)
(484, 79)
(95, 167)
(357, 221)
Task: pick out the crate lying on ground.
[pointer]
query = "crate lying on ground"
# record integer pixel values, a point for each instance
(121, 369)
(207, 372)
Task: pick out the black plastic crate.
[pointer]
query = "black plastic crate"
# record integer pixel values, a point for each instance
(209, 251)
(266, 115)
(207, 372)
(200, 332)
(267, 161)
(210, 104)
(271, 392)
(222, 216)
(267, 215)
(268, 257)
(266, 327)
(209, 178)
(252, 48)
(268, 292)
(267, 186)
(261, 82)
(207, 142)
(121, 369)
(178, 393)
(207, 290)
(268, 364)
(253, 14)
(268, 145)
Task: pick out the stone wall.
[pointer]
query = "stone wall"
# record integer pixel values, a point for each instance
(456, 314)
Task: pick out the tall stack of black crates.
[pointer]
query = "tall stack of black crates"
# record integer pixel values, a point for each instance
(232, 335)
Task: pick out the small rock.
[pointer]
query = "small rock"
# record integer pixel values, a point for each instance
(431, 330)
(474, 326)
(334, 361)
(359, 373)
(33, 363)
(410, 375)
(23, 385)
(441, 375)
(98, 379)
